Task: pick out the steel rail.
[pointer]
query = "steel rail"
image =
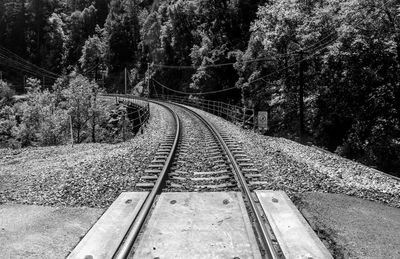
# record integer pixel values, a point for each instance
(125, 247)
(268, 245)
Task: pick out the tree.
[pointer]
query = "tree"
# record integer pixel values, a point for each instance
(12, 26)
(81, 25)
(80, 98)
(122, 30)
(38, 13)
(93, 55)
(284, 37)
(361, 84)
(216, 37)
(6, 93)
(54, 40)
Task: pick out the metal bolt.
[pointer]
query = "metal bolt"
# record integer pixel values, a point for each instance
(225, 202)
(173, 202)
(275, 200)
(128, 201)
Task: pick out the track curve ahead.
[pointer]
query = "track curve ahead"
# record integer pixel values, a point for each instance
(134, 230)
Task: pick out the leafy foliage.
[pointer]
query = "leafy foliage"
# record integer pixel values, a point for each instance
(93, 54)
(80, 101)
(351, 65)
(5, 92)
(43, 117)
(122, 29)
(336, 61)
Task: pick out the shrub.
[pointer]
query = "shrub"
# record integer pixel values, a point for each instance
(80, 101)
(41, 121)
(42, 118)
(7, 122)
(54, 127)
(6, 93)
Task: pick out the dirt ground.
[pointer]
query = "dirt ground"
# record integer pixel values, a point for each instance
(353, 227)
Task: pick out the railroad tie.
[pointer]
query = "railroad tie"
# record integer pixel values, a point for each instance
(145, 185)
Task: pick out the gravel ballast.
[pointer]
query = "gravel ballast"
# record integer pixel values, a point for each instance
(90, 175)
(193, 157)
(295, 168)
(352, 208)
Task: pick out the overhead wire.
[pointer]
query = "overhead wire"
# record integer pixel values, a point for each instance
(217, 65)
(316, 50)
(253, 81)
(20, 67)
(22, 60)
(17, 65)
(193, 93)
(293, 64)
(315, 47)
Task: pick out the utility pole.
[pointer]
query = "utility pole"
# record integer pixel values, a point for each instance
(301, 96)
(24, 83)
(125, 81)
(102, 79)
(148, 80)
(94, 92)
(71, 131)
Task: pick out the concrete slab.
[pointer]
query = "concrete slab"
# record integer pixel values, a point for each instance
(294, 235)
(198, 225)
(355, 228)
(29, 231)
(104, 238)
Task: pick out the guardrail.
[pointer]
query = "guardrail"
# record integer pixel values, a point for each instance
(236, 114)
(138, 117)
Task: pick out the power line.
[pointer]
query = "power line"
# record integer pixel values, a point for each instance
(26, 64)
(253, 81)
(222, 64)
(18, 66)
(25, 70)
(325, 45)
(186, 93)
(9, 52)
(294, 64)
(315, 47)
(21, 67)
(290, 54)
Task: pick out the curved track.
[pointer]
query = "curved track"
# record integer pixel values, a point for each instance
(163, 165)
(264, 235)
(134, 230)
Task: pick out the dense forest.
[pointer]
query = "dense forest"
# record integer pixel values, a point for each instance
(327, 71)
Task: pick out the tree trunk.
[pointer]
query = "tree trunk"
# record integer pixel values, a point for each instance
(94, 109)
(301, 97)
(94, 128)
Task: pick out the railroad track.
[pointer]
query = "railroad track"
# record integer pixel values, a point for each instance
(240, 163)
(230, 163)
(230, 170)
(158, 172)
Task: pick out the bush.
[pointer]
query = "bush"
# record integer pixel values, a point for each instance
(39, 120)
(81, 104)
(54, 128)
(42, 118)
(6, 93)
(7, 123)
